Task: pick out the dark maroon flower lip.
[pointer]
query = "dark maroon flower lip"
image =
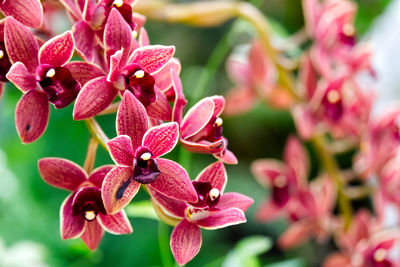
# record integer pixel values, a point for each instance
(208, 197)
(5, 63)
(145, 167)
(88, 203)
(103, 10)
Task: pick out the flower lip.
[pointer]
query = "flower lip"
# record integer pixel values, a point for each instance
(145, 167)
(88, 203)
(5, 63)
(208, 197)
(212, 132)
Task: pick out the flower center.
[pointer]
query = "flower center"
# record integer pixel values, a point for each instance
(146, 169)
(333, 96)
(140, 83)
(118, 3)
(88, 203)
(380, 255)
(50, 73)
(90, 215)
(280, 181)
(348, 30)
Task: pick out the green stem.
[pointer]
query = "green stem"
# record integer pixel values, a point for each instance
(96, 131)
(163, 241)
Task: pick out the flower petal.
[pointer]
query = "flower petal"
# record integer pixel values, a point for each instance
(23, 79)
(83, 71)
(268, 211)
(97, 175)
(93, 98)
(163, 76)
(171, 206)
(234, 200)
(117, 35)
(222, 219)
(61, 173)
(31, 116)
(219, 104)
(239, 100)
(180, 100)
(118, 189)
(58, 50)
(197, 117)
(185, 242)
(121, 150)
(174, 182)
(84, 38)
(71, 6)
(132, 119)
(296, 234)
(116, 224)
(215, 174)
(152, 57)
(70, 226)
(296, 158)
(92, 235)
(264, 170)
(28, 12)
(160, 109)
(203, 147)
(226, 156)
(21, 44)
(161, 139)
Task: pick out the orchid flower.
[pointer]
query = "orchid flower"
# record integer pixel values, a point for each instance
(201, 129)
(212, 210)
(136, 151)
(284, 179)
(82, 214)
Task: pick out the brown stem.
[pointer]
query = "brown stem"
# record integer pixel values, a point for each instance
(90, 155)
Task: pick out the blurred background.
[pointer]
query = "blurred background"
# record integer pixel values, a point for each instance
(29, 208)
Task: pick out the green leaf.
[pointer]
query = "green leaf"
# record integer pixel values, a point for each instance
(287, 263)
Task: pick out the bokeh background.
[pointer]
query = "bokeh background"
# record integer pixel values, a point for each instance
(29, 208)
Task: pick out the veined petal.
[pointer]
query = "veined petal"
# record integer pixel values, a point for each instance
(132, 119)
(84, 38)
(180, 100)
(197, 117)
(219, 104)
(121, 150)
(152, 57)
(296, 158)
(93, 98)
(92, 235)
(161, 139)
(171, 206)
(58, 50)
(117, 34)
(185, 242)
(23, 79)
(28, 12)
(265, 170)
(222, 219)
(97, 175)
(215, 174)
(70, 226)
(32, 116)
(118, 189)
(83, 72)
(234, 200)
(21, 44)
(61, 173)
(116, 224)
(71, 6)
(203, 147)
(160, 109)
(174, 182)
(226, 156)
(163, 76)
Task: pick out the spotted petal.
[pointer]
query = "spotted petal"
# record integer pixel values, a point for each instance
(61, 173)
(71, 226)
(234, 200)
(152, 57)
(92, 235)
(83, 72)
(97, 175)
(161, 139)
(32, 116)
(28, 12)
(163, 76)
(58, 50)
(84, 38)
(222, 219)
(185, 242)
(174, 182)
(121, 150)
(23, 79)
(215, 174)
(116, 224)
(171, 206)
(118, 189)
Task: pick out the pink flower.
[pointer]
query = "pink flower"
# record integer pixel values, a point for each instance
(136, 151)
(82, 213)
(284, 179)
(201, 129)
(212, 210)
(28, 12)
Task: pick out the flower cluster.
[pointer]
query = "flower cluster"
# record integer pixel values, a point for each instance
(114, 59)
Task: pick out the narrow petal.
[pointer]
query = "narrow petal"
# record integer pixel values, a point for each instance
(203, 147)
(97, 175)
(93, 98)
(61, 173)
(160, 109)
(222, 219)
(21, 44)
(197, 118)
(58, 50)
(296, 234)
(161, 139)
(92, 235)
(118, 189)
(185, 242)
(83, 72)
(32, 116)
(23, 79)
(132, 119)
(171, 206)
(70, 226)
(219, 104)
(71, 6)
(163, 76)
(227, 157)
(296, 158)
(234, 200)
(28, 12)
(84, 38)
(215, 174)
(268, 211)
(143, 37)
(116, 224)
(121, 150)
(117, 34)
(152, 57)
(174, 182)
(180, 100)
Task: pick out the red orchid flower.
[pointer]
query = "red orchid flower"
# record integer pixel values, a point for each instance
(128, 71)
(82, 213)
(41, 74)
(212, 210)
(284, 179)
(136, 151)
(201, 129)
(28, 12)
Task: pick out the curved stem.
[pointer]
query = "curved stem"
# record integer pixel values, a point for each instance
(96, 131)
(90, 155)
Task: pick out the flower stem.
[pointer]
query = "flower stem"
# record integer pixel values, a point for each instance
(163, 241)
(90, 155)
(96, 131)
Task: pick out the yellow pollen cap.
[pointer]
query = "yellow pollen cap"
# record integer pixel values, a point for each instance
(50, 73)
(139, 74)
